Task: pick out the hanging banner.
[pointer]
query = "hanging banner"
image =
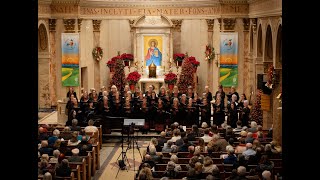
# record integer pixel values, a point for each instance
(229, 59)
(70, 59)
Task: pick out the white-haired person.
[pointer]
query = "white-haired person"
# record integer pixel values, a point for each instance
(174, 158)
(204, 126)
(231, 158)
(91, 128)
(249, 151)
(112, 93)
(176, 135)
(75, 156)
(52, 139)
(201, 145)
(233, 92)
(241, 171)
(266, 175)
(56, 154)
(154, 155)
(170, 171)
(47, 176)
(66, 133)
(253, 127)
(167, 147)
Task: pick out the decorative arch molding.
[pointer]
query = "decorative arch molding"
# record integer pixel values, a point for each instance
(152, 21)
(43, 39)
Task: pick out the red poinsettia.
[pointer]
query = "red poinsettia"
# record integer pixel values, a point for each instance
(170, 78)
(193, 61)
(127, 57)
(133, 77)
(178, 57)
(112, 61)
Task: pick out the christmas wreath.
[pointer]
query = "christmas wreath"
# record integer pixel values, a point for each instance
(97, 53)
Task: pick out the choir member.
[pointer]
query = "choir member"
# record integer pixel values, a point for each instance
(160, 116)
(232, 92)
(245, 113)
(182, 109)
(175, 111)
(190, 92)
(218, 109)
(191, 115)
(221, 92)
(71, 92)
(208, 94)
(205, 111)
(162, 92)
(233, 115)
(243, 97)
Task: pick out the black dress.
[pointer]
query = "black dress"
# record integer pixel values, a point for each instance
(219, 116)
(245, 116)
(232, 117)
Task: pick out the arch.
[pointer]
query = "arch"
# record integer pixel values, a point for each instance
(145, 21)
(259, 42)
(278, 63)
(268, 48)
(43, 41)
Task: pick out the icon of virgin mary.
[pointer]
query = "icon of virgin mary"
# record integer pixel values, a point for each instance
(153, 55)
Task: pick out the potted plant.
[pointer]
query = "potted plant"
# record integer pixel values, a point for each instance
(126, 58)
(178, 58)
(132, 79)
(111, 63)
(97, 53)
(170, 79)
(194, 62)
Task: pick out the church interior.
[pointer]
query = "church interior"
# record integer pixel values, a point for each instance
(160, 89)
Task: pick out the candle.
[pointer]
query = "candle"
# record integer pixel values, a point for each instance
(177, 63)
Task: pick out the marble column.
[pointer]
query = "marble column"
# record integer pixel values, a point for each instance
(216, 45)
(96, 64)
(246, 48)
(52, 62)
(210, 63)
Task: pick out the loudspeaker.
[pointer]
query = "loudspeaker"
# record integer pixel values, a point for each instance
(122, 165)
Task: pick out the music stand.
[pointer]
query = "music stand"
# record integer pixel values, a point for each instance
(123, 154)
(132, 139)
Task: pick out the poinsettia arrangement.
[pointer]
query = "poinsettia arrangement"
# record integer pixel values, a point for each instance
(133, 77)
(178, 57)
(270, 77)
(126, 57)
(112, 61)
(170, 78)
(194, 62)
(97, 53)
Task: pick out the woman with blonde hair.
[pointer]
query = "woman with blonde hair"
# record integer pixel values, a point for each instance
(207, 165)
(201, 145)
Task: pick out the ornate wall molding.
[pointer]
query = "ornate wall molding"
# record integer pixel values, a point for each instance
(228, 24)
(265, 8)
(52, 24)
(253, 22)
(220, 22)
(210, 23)
(79, 24)
(96, 25)
(177, 24)
(69, 25)
(246, 24)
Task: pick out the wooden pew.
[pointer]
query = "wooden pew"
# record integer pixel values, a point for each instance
(75, 168)
(71, 177)
(83, 170)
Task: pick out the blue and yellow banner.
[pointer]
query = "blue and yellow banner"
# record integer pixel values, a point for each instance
(70, 59)
(229, 59)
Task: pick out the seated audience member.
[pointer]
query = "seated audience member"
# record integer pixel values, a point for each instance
(249, 152)
(241, 146)
(52, 139)
(198, 154)
(179, 142)
(219, 145)
(241, 170)
(82, 134)
(229, 133)
(198, 170)
(57, 144)
(266, 175)
(91, 127)
(75, 156)
(191, 174)
(201, 145)
(56, 154)
(162, 139)
(213, 130)
(175, 150)
(43, 157)
(154, 142)
(147, 172)
(74, 139)
(74, 126)
(44, 167)
(84, 148)
(47, 176)
(268, 150)
(192, 162)
(174, 158)
(238, 129)
(264, 164)
(63, 169)
(204, 126)
(153, 154)
(184, 147)
(176, 135)
(170, 172)
(256, 144)
(275, 147)
(191, 151)
(249, 138)
(45, 149)
(206, 136)
(253, 127)
(233, 175)
(216, 172)
(66, 134)
(148, 160)
(207, 165)
(194, 133)
(259, 134)
(240, 162)
(231, 158)
(42, 134)
(253, 175)
(167, 148)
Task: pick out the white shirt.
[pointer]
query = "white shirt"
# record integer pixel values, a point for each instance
(206, 138)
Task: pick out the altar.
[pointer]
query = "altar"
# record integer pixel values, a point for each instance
(145, 82)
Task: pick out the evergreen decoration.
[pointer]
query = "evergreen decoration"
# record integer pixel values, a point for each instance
(119, 77)
(186, 76)
(256, 113)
